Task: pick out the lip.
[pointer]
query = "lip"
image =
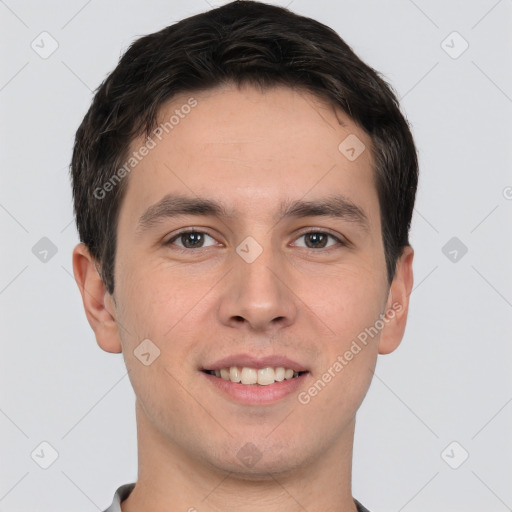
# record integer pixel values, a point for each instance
(255, 394)
(250, 361)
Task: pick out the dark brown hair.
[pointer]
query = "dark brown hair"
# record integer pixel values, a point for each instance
(242, 42)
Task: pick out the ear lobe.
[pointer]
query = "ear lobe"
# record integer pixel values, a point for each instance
(397, 305)
(98, 304)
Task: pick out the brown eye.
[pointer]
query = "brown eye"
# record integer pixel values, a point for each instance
(189, 240)
(318, 239)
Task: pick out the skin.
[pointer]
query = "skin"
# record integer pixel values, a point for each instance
(249, 150)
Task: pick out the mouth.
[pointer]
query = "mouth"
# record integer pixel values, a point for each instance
(256, 380)
(256, 386)
(249, 376)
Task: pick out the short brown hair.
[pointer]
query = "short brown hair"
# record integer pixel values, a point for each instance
(242, 42)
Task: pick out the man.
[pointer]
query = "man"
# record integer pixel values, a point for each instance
(243, 188)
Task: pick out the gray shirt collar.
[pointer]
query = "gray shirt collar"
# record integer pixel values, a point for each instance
(123, 492)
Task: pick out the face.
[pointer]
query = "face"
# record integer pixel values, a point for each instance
(281, 265)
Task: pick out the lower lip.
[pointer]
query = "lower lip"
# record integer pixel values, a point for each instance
(254, 393)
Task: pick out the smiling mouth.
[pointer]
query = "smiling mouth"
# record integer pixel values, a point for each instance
(254, 376)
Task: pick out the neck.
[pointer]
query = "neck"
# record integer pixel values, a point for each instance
(170, 479)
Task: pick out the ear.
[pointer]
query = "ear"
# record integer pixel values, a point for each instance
(98, 303)
(397, 304)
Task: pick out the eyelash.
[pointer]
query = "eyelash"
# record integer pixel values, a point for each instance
(315, 231)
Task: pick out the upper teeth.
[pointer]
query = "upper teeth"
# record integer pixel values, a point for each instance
(263, 376)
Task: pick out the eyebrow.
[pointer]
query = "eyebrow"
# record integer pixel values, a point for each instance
(175, 205)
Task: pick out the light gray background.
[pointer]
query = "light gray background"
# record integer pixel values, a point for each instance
(449, 381)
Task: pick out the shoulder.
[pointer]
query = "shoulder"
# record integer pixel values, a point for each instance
(360, 507)
(120, 495)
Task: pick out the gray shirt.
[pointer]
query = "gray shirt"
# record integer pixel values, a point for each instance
(123, 492)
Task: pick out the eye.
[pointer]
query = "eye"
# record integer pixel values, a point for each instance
(318, 239)
(194, 239)
(190, 239)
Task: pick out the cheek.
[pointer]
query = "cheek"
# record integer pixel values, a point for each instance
(157, 311)
(352, 303)
(153, 300)
(348, 362)
(166, 311)
(348, 301)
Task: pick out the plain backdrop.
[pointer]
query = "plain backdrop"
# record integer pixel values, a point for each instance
(434, 431)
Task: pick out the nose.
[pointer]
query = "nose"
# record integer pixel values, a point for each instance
(258, 295)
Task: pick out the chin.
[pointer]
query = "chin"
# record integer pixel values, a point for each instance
(257, 460)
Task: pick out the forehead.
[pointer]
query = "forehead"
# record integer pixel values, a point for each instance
(250, 149)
